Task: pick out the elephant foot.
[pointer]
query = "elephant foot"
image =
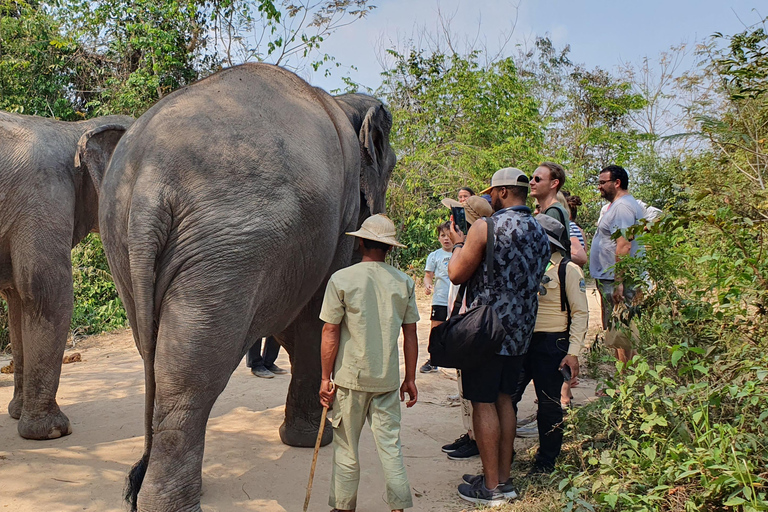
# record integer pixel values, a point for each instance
(50, 426)
(15, 407)
(303, 434)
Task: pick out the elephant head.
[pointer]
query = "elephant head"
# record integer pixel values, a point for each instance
(372, 122)
(91, 159)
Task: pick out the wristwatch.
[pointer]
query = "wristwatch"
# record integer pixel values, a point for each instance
(456, 246)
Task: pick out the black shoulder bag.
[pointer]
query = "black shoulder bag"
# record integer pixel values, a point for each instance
(467, 340)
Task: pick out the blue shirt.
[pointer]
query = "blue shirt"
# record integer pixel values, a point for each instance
(520, 257)
(437, 262)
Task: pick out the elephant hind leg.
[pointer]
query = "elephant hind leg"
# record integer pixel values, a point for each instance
(192, 368)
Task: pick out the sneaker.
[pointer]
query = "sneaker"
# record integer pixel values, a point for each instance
(276, 369)
(458, 443)
(506, 488)
(529, 430)
(467, 451)
(540, 469)
(477, 493)
(261, 371)
(526, 420)
(428, 368)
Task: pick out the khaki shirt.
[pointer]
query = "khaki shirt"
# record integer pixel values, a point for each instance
(371, 301)
(550, 318)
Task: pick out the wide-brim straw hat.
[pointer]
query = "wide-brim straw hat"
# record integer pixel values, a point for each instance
(475, 207)
(378, 228)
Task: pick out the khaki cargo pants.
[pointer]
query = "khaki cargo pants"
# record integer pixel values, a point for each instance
(382, 410)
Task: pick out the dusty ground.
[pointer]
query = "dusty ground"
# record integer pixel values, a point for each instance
(246, 467)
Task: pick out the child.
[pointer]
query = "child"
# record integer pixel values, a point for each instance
(437, 284)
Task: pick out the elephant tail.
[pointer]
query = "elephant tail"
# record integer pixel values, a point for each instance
(143, 260)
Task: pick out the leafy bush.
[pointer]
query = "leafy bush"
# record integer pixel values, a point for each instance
(4, 334)
(97, 305)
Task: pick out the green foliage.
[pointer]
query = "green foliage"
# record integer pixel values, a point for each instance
(35, 61)
(456, 122)
(4, 334)
(97, 305)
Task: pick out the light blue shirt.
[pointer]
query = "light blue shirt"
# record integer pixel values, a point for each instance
(437, 262)
(624, 212)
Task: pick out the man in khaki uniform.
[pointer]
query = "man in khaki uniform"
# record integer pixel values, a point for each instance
(364, 308)
(557, 340)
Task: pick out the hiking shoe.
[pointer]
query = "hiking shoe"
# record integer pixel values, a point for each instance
(261, 371)
(529, 430)
(428, 368)
(477, 493)
(506, 488)
(540, 469)
(458, 443)
(526, 420)
(467, 451)
(276, 369)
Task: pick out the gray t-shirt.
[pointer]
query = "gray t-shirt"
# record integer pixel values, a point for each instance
(624, 212)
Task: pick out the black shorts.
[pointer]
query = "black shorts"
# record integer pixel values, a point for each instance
(439, 313)
(499, 375)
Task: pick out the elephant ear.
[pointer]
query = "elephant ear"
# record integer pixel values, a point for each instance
(378, 157)
(94, 149)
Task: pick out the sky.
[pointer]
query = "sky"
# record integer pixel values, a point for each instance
(600, 32)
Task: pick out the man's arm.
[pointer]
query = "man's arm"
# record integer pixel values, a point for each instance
(465, 260)
(329, 348)
(576, 294)
(411, 354)
(624, 219)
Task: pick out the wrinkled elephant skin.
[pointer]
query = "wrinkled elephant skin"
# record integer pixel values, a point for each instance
(223, 212)
(47, 205)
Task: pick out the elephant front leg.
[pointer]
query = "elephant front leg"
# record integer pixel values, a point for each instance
(302, 407)
(14, 323)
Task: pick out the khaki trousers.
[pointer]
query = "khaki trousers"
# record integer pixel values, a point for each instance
(382, 410)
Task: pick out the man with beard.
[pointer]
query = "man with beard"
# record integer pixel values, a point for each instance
(623, 212)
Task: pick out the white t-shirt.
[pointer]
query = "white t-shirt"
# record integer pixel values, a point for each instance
(437, 262)
(621, 214)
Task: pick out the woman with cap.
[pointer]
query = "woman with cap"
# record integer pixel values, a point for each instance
(561, 325)
(464, 447)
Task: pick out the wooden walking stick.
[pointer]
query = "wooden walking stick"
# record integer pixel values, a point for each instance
(314, 457)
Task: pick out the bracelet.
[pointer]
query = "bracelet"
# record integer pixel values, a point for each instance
(456, 246)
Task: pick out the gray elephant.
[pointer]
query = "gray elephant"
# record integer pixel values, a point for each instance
(223, 212)
(47, 206)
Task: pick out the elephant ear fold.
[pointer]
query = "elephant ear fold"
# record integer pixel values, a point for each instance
(371, 135)
(94, 149)
(374, 142)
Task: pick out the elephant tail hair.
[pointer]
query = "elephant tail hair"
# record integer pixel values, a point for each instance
(133, 483)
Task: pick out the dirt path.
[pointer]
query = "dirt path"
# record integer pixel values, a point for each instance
(246, 467)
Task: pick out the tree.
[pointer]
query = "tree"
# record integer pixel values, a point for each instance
(36, 62)
(456, 122)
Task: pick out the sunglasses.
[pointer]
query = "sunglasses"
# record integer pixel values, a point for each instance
(536, 179)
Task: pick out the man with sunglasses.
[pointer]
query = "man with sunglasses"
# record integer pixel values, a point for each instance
(623, 212)
(546, 182)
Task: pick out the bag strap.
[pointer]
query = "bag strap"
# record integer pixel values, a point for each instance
(489, 253)
(459, 299)
(488, 268)
(564, 304)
